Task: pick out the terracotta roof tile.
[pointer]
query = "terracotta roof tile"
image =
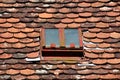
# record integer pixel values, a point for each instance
(111, 40)
(13, 20)
(12, 71)
(33, 55)
(104, 0)
(73, 25)
(97, 51)
(51, 10)
(113, 14)
(115, 45)
(19, 25)
(18, 66)
(33, 44)
(93, 19)
(96, 40)
(13, 30)
(90, 45)
(2, 40)
(6, 35)
(27, 30)
(20, 77)
(84, 4)
(61, 25)
(11, 40)
(99, 61)
(102, 25)
(6, 25)
(80, 20)
(85, 14)
(113, 61)
(103, 35)
(1, 51)
(27, 72)
(33, 34)
(18, 45)
(103, 45)
(114, 35)
(67, 20)
(45, 15)
(92, 76)
(107, 55)
(109, 76)
(20, 35)
(97, 4)
(89, 35)
(5, 56)
(2, 20)
(10, 1)
(91, 55)
(26, 40)
(64, 10)
(72, 15)
(33, 77)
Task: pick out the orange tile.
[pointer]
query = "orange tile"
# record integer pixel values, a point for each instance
(60, 25)
(115, 45)
(20, 35)
(90, 45)
(97, 51)
(33, 44)
(99, 61)
(11, 40)
(85, 14)
(2, 40)
(13, 20)
(2, 20)
(96, 40)
(102, 25)
(26, 40)
(27, 72)
(93, 19)
(6, 35)
(33, 34)
(5, 56)
(45, 15)
(12, 71)
(111, 4)
(13, 30)
(67, 20)
(72, 15)
(84, 4)
(104, 0)
(103, 35)
(1, 51)
(33, 55)
(80, 20)
(27, 30)
(18, 45)
(19, 25)
(51, 10)
(64, 10)
(92, 76)
(107, 55)
(91, 55)
(113, 14)
(97, 4)
(73, 25)
(103, 45)
(113, 61)
(118, 18)
(115, 35)
(34, 77)
(6, 25)
(89, 35)
(109, 76)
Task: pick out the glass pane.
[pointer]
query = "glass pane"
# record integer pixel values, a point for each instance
(71, 36)
(51, 36)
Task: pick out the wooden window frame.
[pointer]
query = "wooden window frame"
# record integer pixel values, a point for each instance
(62, 47)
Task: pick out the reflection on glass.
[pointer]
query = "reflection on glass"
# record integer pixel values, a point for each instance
(71, 36)
(51, 36)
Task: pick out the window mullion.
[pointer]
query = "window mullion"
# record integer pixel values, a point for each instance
(61, 37)
(80, 37)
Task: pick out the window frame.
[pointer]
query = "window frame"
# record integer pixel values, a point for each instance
(62, 47)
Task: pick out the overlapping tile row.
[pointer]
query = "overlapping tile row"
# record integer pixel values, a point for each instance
(59, 70)
(20, 23)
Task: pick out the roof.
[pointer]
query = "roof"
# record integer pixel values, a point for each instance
(20, 23)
